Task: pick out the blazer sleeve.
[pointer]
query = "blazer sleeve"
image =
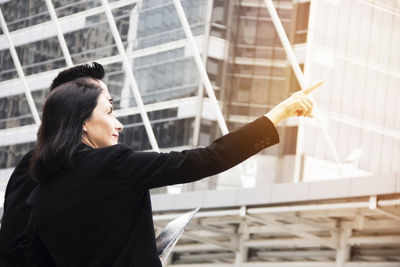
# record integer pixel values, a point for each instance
(152, 169)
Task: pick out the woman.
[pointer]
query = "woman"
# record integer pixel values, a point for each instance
(92, 206)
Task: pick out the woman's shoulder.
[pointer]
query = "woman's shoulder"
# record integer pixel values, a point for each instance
(107, 158)
(105, 153)
(118, 148)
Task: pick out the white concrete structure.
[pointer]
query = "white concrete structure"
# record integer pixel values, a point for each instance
(288, 206)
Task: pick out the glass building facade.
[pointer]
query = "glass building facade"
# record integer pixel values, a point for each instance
(354, 48)
(246, 64)
(353, 45)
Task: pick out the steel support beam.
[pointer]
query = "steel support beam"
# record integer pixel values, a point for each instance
(279, 209)
(388, 213)
(129, 74)
(300, 78)
(213, 229)
(307, 67)
(241, 256)
(344, 249)
(200, 66)
(132, 36)
(60, 35)
(373, 205)
(200, 91)
(298, 233)
(375, 240)
(43, 26)
(210, 241)
(201, 239)
(20, 71)
(298, 220)
(203, 72)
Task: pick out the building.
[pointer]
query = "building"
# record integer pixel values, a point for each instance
(290, 203)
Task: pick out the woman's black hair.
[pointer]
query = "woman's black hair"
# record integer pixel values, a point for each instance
(93, 70)
(60, 133)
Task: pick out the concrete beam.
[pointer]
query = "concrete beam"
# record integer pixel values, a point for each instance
(318, 240)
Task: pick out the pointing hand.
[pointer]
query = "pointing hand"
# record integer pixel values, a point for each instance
(298, 104)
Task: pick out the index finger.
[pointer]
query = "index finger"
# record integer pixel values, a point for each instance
(312, 88)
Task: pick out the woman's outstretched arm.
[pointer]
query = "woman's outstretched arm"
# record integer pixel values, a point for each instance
(151, 169)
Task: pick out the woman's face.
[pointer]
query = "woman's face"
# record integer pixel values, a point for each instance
(102, 128)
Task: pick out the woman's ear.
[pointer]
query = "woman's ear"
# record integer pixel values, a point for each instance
(84, 128)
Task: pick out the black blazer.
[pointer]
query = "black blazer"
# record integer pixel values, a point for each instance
(16, 214)
(99, 213)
